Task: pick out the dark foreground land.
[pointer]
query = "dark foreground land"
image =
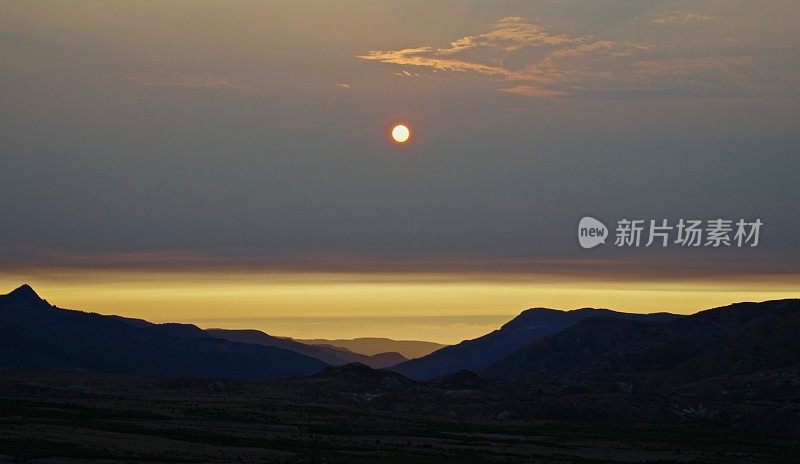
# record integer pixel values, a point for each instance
(350, 415)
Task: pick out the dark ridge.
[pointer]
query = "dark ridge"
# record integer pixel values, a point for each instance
(328, 354)
(361, 374)
(23, 295)
(34, 334)
(464, 379)
(739, 339)
(529, 326)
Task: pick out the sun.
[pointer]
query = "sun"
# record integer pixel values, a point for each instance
(400, 133)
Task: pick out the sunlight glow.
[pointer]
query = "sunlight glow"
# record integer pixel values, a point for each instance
(400, 133)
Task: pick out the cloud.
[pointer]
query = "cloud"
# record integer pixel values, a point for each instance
(687, 67)
(202, 81)
(542, 62)
(531, 91)
(679, 17)
(392, 267)
(532, 60)
(720, 74)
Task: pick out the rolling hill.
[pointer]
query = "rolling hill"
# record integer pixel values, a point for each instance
(374, 345)
(35, 334)
(739, 339)
(328, 354)
(530, 326)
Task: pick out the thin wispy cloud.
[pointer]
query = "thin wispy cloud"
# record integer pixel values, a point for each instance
(391, 267)
(201, 81)
(542, 62)
(533, 60)
(531, 91)
(740, 74)
(679, 17)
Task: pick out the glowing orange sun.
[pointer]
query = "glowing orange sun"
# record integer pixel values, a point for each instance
(400, 133)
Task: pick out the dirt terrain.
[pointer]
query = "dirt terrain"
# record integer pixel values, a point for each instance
(349, 415)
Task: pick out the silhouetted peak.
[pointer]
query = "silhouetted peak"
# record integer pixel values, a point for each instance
(24, 295)
(354, 369)
(464, 379)
(590, 310)
(350, 368)
(533, 315)
(390, 355)
(540, 310)
(358, 373)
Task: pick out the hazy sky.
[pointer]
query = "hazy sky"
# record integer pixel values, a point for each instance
(225, 160)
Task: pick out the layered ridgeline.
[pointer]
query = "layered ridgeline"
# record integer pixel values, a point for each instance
(530, 326)
(655, 352)
(736, 340)
(376, 345)
(332, 355)
(35, 334)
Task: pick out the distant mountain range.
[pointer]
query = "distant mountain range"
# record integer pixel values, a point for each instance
(372, 345)
(633, 352)
(330, 354)
(530, 326)
(739, 339)
(34, 334)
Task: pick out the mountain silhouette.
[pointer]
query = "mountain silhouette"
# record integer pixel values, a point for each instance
(23, 295)
(739, 339)
(531, 325)
(384, 360)
(328, 354)
(357, 374)
(461, 380)
(376, 345)
(34, 334)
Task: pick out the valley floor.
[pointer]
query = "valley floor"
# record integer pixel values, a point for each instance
(59, 417)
